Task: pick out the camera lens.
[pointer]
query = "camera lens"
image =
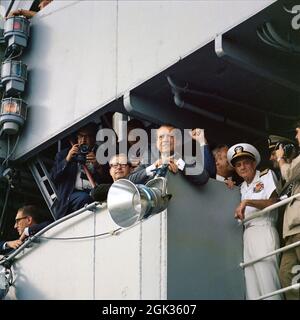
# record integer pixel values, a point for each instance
(84, 148)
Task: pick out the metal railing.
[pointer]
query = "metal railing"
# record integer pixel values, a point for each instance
(268, 295)
(270, 208)
(288, 247)
(261, 213)
(91, 206)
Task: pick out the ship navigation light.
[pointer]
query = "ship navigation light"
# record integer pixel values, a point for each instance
(13, 114)
(13, 76)
(16, 33)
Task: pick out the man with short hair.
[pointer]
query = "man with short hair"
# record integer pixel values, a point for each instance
(274, 142)
(28, 222)
(120, 168)
(225, 171)
(258, 191)
(291, 224)
(166, 144)
(76, 172)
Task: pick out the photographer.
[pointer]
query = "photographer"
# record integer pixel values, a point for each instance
(291, 225)
(274, 143)
(76, 172)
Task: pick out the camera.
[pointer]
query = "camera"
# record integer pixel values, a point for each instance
(80, 157)
(288, 148)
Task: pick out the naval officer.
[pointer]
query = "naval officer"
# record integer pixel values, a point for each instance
(258, 191)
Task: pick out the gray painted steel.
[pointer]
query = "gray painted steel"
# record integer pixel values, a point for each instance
(85, 54)
(204, 242)
(191, 252)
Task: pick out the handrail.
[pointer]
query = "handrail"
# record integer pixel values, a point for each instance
(290, 246)
(270, 208)
(295, 286)
(50, 226)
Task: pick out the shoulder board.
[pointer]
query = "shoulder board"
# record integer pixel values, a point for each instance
(264, 172)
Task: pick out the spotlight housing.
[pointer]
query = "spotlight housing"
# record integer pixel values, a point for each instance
(128, 203)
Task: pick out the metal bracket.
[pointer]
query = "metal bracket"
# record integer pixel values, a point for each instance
(42, 178)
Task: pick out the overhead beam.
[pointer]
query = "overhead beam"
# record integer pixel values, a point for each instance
(251, 61)
(157, 112)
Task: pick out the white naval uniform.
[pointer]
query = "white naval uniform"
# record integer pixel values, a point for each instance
(260, 238)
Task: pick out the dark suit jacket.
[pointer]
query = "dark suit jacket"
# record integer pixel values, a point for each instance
(99, 193)
(38, 227)
(2, 251)
(32, 230)
(140, 175)
(63, 174)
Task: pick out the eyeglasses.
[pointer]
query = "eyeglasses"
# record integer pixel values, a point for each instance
(166, 136)
(19, 219)
(80, 136)
(115, 165)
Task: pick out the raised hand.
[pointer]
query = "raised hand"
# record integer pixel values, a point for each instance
(73, 151)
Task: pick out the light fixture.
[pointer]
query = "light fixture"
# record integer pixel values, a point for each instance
(16, 33)
(128, 203)
(7, 174)
(13, 76)
(12, 115)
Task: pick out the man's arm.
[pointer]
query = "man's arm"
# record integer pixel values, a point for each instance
(59, 168)
(7, 246)
(30, 231)
(290, 171)
(22, 12)
(198, 135)
(140, 175)
(197, 179)
(258, 204)
(209, 162)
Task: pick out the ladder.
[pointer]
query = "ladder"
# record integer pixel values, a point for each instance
(42, 179)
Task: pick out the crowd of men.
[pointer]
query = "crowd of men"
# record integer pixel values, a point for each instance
(81, 179)
(258, 191)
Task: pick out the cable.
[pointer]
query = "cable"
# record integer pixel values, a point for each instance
(83, 237)
(4, 205)
(18, 54)
(13, 150)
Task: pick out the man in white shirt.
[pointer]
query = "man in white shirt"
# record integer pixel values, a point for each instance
(258, 191)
